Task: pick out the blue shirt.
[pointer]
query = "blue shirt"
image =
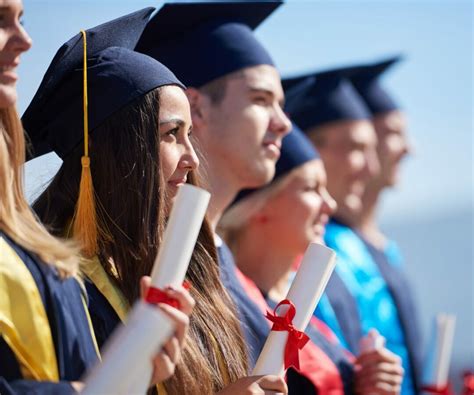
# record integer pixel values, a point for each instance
(375, 305)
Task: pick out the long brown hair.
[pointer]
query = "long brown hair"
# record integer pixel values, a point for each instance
(127, 177)
(16, 217)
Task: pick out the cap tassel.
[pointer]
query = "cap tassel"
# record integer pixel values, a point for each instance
(85, 216)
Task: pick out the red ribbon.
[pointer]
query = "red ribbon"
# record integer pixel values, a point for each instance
(468, 383)
(431, 389)
(296, 339)
(156, 295)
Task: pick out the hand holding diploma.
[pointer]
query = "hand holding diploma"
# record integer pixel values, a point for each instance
(292, 315)
(377, 371)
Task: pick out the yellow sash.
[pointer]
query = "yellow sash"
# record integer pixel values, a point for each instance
(24, 323)
(93, 269)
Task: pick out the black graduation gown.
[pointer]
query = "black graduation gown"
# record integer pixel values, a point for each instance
(71, 333)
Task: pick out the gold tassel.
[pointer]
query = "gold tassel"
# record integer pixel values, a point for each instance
(85, 216)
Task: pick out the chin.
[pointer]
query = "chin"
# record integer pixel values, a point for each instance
(260, 176)
(8, 96)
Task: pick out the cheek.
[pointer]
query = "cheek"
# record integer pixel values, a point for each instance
(355, 162)
(169, 158)
(394, 145)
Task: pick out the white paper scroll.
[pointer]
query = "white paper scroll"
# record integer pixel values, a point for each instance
(439, 355)
(306, 290)
(129, 350)
(172, 261)
(180, 236)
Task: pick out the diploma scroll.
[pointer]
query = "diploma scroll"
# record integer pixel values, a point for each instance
(180, 236)
(130, 349)
(439, 357)
(306, 290)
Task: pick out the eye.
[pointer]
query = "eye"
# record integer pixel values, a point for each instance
(262, 100)
(172, 132)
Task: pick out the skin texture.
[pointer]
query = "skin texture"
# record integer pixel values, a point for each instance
(306, 197)
(176, 151)
(392, 147)
(241, 134)
(348, 150)
(13, 42)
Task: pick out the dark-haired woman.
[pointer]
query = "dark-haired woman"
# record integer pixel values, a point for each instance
(140, 155)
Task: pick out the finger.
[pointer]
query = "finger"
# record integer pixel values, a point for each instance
(379, 378)
(145, 283)
(184, 298)
(273, 383)
(163, 368)
(377, 356)
(383, 367)
(180, 320)
(172, 349)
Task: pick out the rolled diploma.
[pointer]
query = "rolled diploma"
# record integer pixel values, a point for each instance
(305, 291)
(172, 261)
(130, 348)
(180, 236)
(445, 335)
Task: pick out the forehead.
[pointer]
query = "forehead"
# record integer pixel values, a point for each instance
(264, 77)
(310, 171)
(354, 132)
(173, 101)
(391, 122)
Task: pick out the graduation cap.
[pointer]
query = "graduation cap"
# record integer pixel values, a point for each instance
(366, 79)
(318, 98)
(92, 76)
(204, 41)
(296, 150)
(116, 77)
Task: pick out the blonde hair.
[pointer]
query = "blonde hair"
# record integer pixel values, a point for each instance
(16, 217)
(237, 217)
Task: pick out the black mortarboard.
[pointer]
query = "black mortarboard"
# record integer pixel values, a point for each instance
(204, 41)
(366, 79)
(296, 150)
(116, 77)
(318, 98)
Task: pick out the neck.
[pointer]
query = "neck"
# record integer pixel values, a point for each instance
(366, 221)
(222, 192)
(268, 266)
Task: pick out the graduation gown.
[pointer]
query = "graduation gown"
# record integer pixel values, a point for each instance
(46, 339)
(359, 293)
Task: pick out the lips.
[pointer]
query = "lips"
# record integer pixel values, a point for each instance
(273, 147)
(178, 181)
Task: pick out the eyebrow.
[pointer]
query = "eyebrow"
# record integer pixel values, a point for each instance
(257, 89)
(177, 121)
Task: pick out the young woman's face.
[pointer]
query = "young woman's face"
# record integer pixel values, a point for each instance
(176, 151)
(13, 42)
(297, 215)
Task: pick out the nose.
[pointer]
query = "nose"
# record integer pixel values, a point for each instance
(189, 160)
(280, 123)
(372, 164)
(21, 41)
(329, 204)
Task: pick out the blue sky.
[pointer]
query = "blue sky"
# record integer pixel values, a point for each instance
(434, 84)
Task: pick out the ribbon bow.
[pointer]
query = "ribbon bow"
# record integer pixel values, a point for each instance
(431, 389)
(296, 339)
(156, 295)
(468, 383)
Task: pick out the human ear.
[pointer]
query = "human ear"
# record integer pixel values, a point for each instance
(197, 104)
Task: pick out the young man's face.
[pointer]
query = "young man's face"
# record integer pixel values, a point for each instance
(392, 147)
(244, 129)
(348, 150)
